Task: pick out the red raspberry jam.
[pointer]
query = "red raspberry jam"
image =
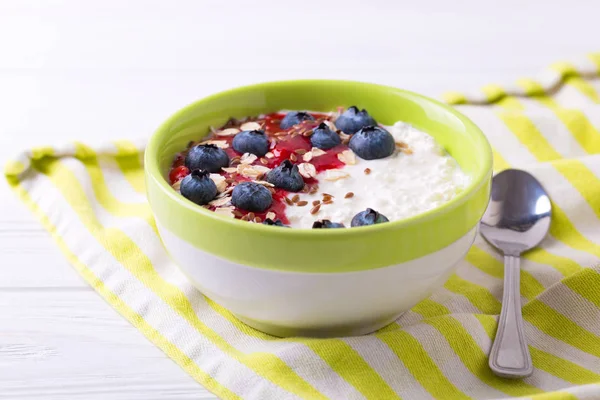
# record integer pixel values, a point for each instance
(178, 173)
(285, 144)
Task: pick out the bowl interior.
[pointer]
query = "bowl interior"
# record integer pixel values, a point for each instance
(387, 105)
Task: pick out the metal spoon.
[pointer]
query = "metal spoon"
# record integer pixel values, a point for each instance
(516, 220)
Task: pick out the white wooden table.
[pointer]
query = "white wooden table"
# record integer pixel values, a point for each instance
(115, 69)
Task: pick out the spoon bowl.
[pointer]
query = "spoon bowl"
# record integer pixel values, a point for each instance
(517, 219)
(518, 216)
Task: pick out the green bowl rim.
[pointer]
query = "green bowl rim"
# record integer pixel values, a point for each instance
(151, 165)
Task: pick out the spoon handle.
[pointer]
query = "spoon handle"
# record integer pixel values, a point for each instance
(509, 357)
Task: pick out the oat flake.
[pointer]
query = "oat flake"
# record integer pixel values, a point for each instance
(228, 132)
(250, 126)
(307, 170)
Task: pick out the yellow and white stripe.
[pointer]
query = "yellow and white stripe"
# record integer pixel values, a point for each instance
(91, 199)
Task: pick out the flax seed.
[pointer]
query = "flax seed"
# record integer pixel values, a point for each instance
(302, 203)
(307, 133)
(288, 201)
(367, 171)
(293, 157)
(314, 203)
(250, 216)
(315, 209)
(237, 214)
(313, 190)
(295, 198)
(300, 151)
(349, 195)
(258, 220)
(264, 161)
(231, 122)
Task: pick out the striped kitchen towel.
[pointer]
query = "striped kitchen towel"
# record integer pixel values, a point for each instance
(91, 199)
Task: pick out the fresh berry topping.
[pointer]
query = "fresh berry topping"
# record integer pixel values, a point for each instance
(277, 222)
(368, 217)
(324, 138)
(352, 120)
(254, 142)
(286, 176)
(310, 143)
(327, 224)
(295, 117)
(251, 196)
(372, 143)
(207, 157)
(178, 173)
(198, 187)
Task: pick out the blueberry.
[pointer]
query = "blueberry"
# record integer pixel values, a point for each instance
(286, 176)
(326, 224)
(372, 143)
(254, 142)
(324, 138)
(198, 187)
(368, 217)
(251, 196)
(352, 120)
(207, 157)
(295, 117)
(277, 222)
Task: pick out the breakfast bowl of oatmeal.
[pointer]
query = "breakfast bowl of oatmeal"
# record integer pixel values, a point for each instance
(317, 208)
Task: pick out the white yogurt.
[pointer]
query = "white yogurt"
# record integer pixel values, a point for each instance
(398, 186)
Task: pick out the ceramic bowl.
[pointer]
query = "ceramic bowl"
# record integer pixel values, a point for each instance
(327, 282)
